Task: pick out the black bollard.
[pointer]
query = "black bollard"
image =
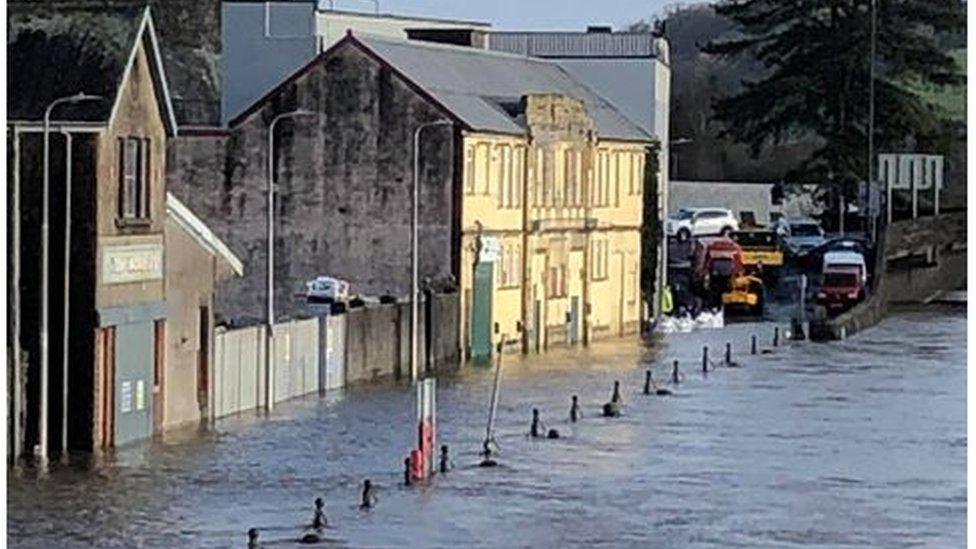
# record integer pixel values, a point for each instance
(445, 460)
(252, 538)
(728, 353)
(407, 476)
(705, 358)
(647, 383)
(754, 348)
(776, 336)
(675, 374)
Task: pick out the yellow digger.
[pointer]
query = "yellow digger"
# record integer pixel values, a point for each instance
(746, 294)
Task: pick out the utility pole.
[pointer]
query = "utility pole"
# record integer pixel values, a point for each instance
(42, 442)
(269, 324)
(874, 42)
(414, 254)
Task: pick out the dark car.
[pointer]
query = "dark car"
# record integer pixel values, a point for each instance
(812, 261)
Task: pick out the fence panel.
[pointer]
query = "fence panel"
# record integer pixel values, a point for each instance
(335, 352)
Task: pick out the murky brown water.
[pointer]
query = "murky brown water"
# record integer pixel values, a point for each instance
(859, 443)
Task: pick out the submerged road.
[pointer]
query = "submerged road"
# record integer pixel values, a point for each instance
(851, 444)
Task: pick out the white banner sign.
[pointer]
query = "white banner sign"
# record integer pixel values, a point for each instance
(905, 171)
(132, 263)
(491, 249)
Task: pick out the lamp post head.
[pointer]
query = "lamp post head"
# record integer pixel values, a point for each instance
(82, 96)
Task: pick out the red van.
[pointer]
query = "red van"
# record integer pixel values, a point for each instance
(714, 262)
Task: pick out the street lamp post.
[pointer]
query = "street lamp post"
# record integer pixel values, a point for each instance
(269, 326)
(414, 256)
(874, 46)
(42, 450)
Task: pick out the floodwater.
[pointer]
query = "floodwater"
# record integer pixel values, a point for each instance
(851, 444)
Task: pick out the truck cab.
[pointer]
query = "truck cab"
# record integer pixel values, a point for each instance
(715, 262)
(845, 279)
(762, 252)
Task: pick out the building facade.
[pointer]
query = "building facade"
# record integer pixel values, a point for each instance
(89, 376)
(550, 232)
(494, 130)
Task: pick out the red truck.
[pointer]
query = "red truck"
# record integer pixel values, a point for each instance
(715, 261)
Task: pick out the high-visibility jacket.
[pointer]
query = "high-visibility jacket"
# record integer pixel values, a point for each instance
(667, 303)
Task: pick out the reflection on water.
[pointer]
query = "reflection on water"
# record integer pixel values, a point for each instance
(856, 443)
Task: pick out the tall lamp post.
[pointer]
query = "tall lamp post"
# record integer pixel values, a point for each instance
(874, 49)
(42, 451)
(269, 331)
(414, 256)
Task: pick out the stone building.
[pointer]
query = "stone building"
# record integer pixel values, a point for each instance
(90, 377)
(513, 164)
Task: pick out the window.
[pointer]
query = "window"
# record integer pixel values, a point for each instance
(637, 178)
(511, 266)
(599, 259)
(518, 172)
(480, 168)
(578, 178)
(569, 179)
(559, 183)
(469, 168)
(504, 165)
(548, 175)
(556, 281)
(495, 171)
(540, 169)
(616, 179)
(605, 197)
(134, 178)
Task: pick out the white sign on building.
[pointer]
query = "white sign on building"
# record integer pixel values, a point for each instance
(132, 263)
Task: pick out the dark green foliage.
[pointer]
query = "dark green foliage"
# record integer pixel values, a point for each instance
(816, 54)
(651, 228)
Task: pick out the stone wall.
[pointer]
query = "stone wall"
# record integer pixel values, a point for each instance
(344, 186)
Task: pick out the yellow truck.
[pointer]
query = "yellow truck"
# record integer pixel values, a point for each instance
(762, 252)
(746, 295)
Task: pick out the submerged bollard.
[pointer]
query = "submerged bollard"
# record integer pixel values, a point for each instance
(407, 473)
(776, 336)
(252, 538)
(705, 358)
(754, 348)
(675, 374)
(647, 382)
(728, 353)
(445, 460)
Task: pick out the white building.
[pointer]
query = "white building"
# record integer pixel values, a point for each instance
(265, 42)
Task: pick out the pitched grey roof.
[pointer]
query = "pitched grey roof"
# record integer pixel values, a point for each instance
(474, 83)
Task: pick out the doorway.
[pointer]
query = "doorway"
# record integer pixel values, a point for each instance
(481, 311)
(159, 373)
(203, 361)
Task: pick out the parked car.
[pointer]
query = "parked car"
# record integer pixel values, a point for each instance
(813, 260)
(801, 234)
(327, 289)
(845, 277)
(689, 222)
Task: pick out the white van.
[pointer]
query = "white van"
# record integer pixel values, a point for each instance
(846, 261)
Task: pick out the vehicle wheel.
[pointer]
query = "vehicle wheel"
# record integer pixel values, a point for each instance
(726, 231)
(684, 235)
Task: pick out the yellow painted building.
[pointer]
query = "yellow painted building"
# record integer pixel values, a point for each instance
(550, 239)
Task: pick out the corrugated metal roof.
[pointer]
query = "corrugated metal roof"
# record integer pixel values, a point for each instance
(575, 44)
(471, 83)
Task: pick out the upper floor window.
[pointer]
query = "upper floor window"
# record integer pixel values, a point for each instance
(134, 178)
(599, 258)
(556, 281)
(469, 169)
(511, 266)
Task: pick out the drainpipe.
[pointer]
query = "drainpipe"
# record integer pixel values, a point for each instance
(67, 295)
(526, 275)
(17, 397)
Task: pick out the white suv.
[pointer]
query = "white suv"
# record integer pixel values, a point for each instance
(688, 222)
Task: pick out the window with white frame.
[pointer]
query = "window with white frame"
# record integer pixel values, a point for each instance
(511, 266)
(599, 259)
(134, 178)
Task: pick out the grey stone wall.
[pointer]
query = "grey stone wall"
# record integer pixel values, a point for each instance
(344, 186)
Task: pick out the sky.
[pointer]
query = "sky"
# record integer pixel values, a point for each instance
(524, 14)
